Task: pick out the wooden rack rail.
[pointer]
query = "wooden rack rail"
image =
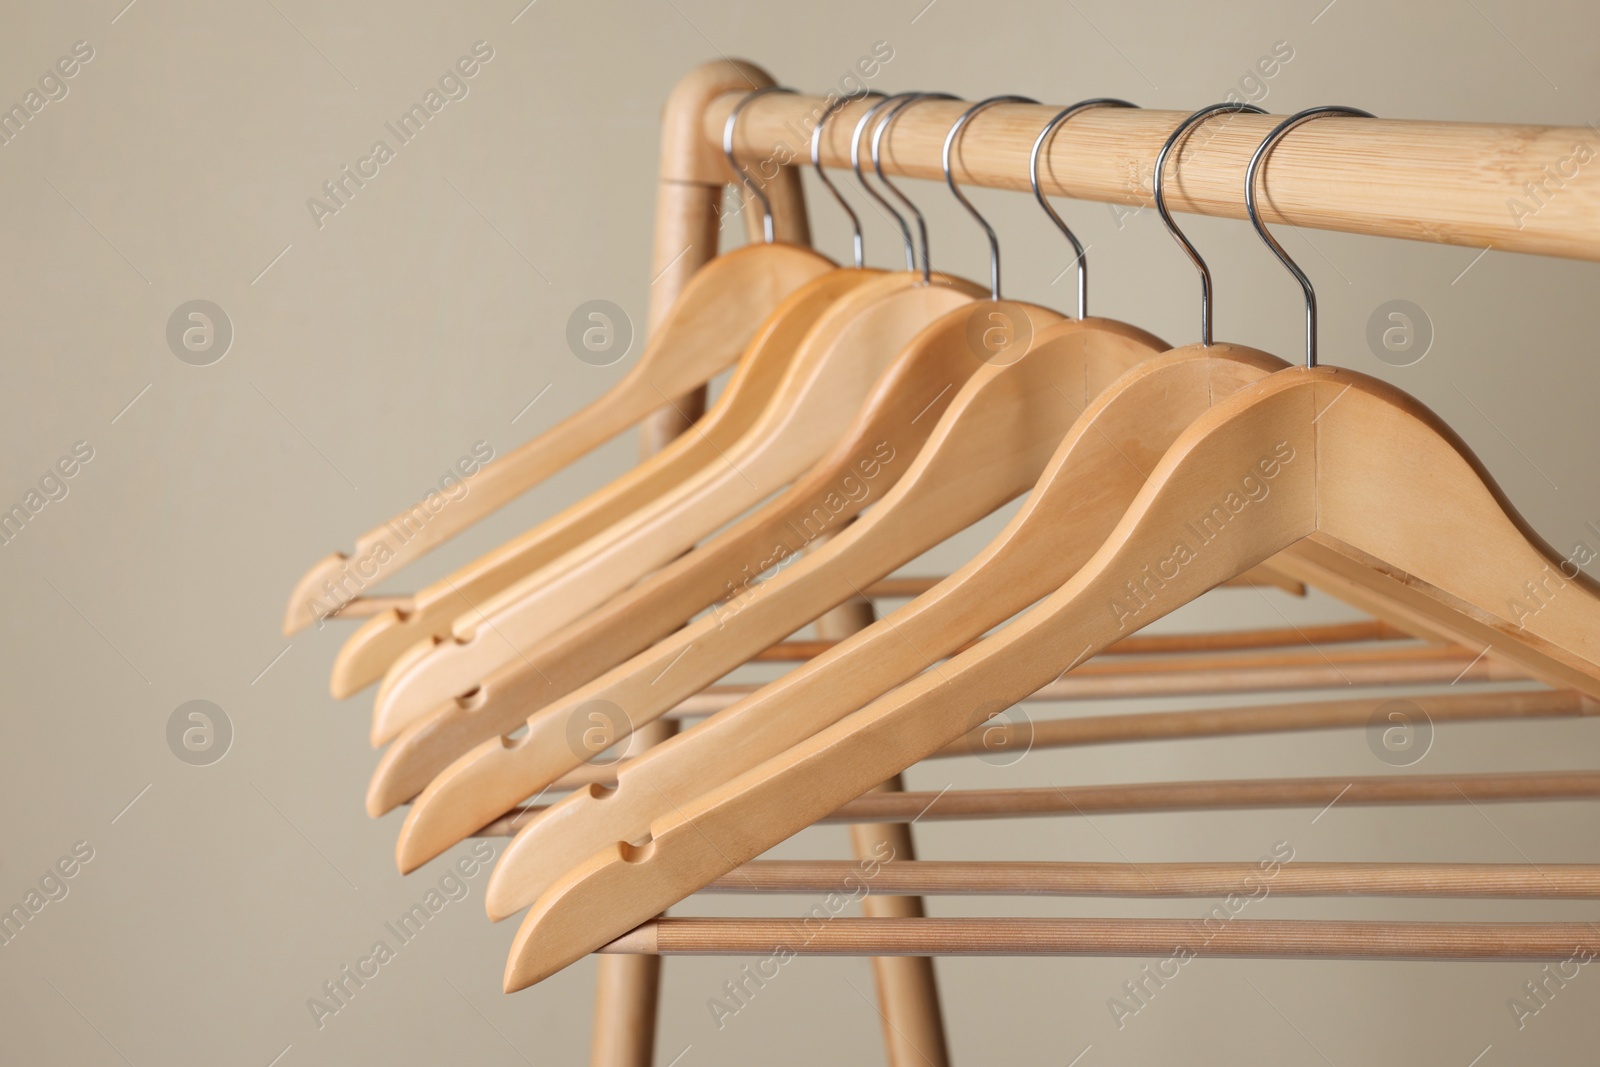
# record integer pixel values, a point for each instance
(1512, 188)
(1154, 938)
(998, 736)
(1166, 797)
(1574, 881)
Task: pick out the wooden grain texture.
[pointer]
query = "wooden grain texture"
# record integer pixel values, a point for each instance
(1177, 939)
(1447, 182)
(1376, 473)
(1299, 878)
(826, 384)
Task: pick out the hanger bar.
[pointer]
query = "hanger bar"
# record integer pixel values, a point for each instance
(1446, 182)
(895, 588)
(362, 607)
(1177, 939)
(888, 589)
(997, 737)
(1148, 797)
(1222, 795)
(1574, 881)
(1209, 641)
(1270, 718)
(1189, 675)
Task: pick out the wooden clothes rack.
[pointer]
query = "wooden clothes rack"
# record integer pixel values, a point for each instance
(1449, 183)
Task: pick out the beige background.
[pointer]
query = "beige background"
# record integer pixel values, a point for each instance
(373, 352)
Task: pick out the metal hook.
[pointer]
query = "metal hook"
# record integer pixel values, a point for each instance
(877, 166)
(950, 180)
(1256, 162)
(1038, 192)
(816, 161)
(738, 168)
(1159, 195)
(855, 165)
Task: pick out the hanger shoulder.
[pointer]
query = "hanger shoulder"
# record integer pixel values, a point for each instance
(374, 647)
(822, 391)
(718, 314)
(721, 307)
(1450, 537)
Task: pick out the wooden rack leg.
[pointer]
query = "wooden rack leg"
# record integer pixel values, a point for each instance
(908, 996)
(688, 201)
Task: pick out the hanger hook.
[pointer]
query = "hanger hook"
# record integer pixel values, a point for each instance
(816, 161)
(1256, 162)
(950, 180)
(1158, 193)
(1038, 191)
(737, 167)
(877, 166)
(855, 165)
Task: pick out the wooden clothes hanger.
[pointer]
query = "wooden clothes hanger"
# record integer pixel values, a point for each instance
(1321, 441)
(990, 446)
(840, 359)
